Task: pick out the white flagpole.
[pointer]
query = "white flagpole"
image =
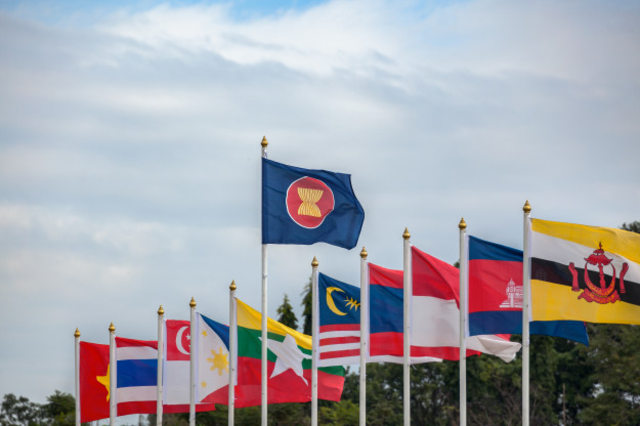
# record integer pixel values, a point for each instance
(113, 365)
(526, 306)
(76, 338)
(192, 365)
(463, 305)
(406, 395)
(233, 349)
(159, 389)
(315, 329)
(264, 395)
(364, 334)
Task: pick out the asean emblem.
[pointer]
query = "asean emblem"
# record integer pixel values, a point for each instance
(309, 202)
(604, 293)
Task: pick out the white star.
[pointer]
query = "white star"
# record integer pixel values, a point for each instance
(289, 356)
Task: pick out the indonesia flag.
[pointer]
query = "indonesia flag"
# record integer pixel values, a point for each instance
(339, 308)
(435, 314)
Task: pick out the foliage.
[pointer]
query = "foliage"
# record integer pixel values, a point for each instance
(286, 315)
(60, 410)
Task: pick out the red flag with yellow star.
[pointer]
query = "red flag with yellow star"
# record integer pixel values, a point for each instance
(94, 381)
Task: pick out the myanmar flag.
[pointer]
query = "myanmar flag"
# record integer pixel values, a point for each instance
(584, 273)
(289, 364)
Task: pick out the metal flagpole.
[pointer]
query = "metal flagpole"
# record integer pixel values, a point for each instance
(264, 400)
(76, 339)
(406, 395)
(159, 389)
(463, 305)
(192, 364)
(233, 346)
(364, 334)
(113, 365)
(526, 306)
(314, 341)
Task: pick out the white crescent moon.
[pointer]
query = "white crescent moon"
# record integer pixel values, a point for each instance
(179, 340)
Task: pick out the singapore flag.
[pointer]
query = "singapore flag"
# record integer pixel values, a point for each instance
(176, 365)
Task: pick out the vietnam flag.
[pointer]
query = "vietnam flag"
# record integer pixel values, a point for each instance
(289, 364)
(94, 381)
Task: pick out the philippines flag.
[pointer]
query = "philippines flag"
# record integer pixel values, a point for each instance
(495, 295)
(339, 308)
(435, 314)
(386, 317)
(212, 360)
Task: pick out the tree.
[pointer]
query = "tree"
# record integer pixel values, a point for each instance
(306, 304)
(286, 315)
(19, 411)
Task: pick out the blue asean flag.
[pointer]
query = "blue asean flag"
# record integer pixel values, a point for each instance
(304, 206)
(495, 295)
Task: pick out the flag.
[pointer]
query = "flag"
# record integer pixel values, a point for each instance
(584, 273)
(339, 311)
(212, 360)
(386, 317)
(304, 206)
(435, 314)
(94, 382)
(495, 295)
(289, 363)
(176, 370)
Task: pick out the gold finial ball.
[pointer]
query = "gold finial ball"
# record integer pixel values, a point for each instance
(527, 207)
(315, 262)
(406, 235)
(462, 224)
(76, 334)
(160, 310)
(112, 328)
(363, 253)
(264, 142)
(233, 286)
(192, 303)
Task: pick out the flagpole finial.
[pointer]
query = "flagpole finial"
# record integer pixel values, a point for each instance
(315, 262)
(462, 224)
(192, 303)
(363, 253)
(160, 311)
(527, 207)
(264, 142)
(233, 285)
(112, 328)
(406, 235)
(77, 333)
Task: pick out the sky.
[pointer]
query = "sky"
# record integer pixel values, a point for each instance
(130, 146)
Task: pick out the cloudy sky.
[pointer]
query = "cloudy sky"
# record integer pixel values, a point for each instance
(130, 156)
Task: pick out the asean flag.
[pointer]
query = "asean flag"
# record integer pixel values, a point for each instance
(304, 206)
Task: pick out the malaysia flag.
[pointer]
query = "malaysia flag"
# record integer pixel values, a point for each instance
(339, 309)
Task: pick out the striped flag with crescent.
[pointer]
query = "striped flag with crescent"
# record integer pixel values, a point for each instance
(339, 337)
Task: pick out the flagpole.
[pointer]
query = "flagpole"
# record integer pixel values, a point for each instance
(233, 341)
(526, 306)
(406, 395)
(159, 389)
(76, 338)
(314, 341)
(192, 364)
(462, 226)
(264, 387)
(113, 365)
(364, 333)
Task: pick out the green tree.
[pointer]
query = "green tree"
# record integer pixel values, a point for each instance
(286, 315)
(306, 305)
(17, 411)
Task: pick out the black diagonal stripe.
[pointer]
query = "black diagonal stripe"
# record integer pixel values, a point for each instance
(558, 273)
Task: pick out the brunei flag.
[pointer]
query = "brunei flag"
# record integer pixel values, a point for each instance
(584, 273)
(288, 365)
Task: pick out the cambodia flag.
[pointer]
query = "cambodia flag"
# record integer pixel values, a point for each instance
(495, 295)
(303, 206)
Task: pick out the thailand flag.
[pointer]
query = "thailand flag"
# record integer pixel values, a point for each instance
(495, 295)
(386, 317)
(435, 314)
(137, 371)
(339, 309)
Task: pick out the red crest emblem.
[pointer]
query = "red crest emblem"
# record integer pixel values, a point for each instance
(603, 292)
(309, 202)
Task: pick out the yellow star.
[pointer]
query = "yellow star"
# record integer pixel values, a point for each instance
(104, 381)
(204, 333)
(219, 361)
(204, 384)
